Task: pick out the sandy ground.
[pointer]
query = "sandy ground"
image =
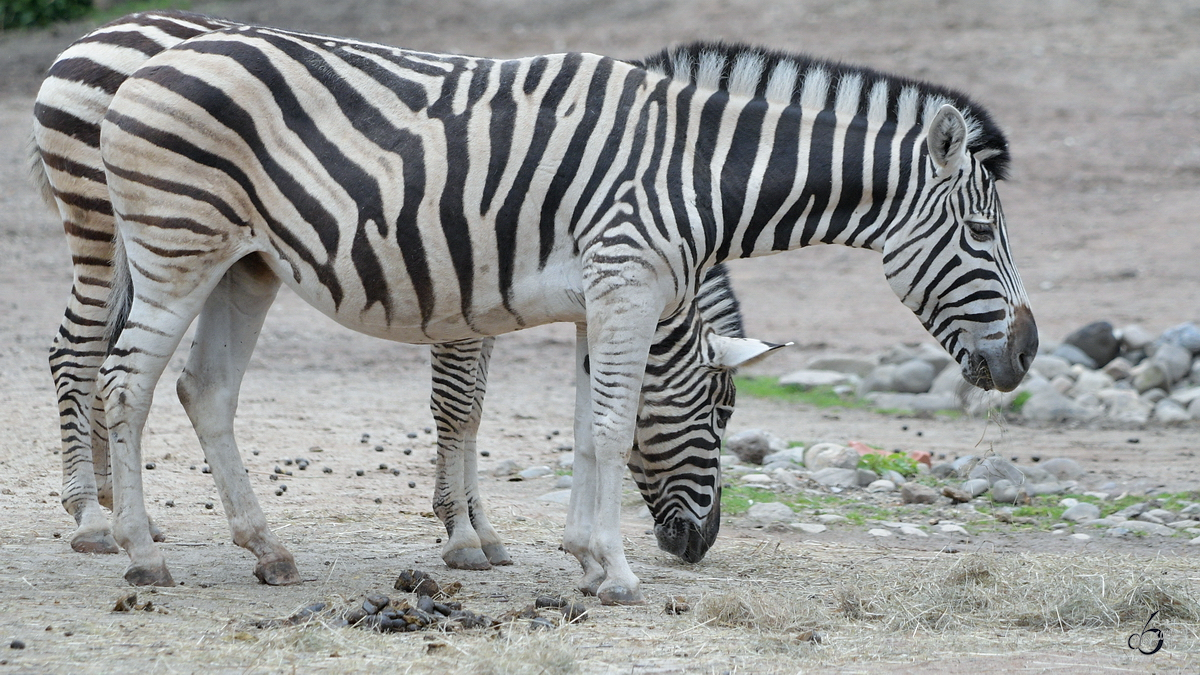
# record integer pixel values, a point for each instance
(1103, 113)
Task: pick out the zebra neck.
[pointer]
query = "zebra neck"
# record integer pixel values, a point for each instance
(783, 177)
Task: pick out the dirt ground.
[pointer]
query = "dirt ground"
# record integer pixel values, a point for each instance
(1102, 108)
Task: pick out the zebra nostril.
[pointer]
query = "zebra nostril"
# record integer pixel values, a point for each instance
(1025, 361)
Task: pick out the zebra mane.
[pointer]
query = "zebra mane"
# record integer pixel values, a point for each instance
(784, 77)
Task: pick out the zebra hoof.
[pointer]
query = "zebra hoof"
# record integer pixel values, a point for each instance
(466, 559)
(149, 576)
(590, 585)
(94, 542)
(156, 534)
(497, 554)
(619, 595)
(281, 572)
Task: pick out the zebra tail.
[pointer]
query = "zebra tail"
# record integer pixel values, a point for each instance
(120, 293)
(37, 173)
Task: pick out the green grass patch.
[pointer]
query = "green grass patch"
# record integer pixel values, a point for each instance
(1019, 401)
(903, 464)
(769, 387)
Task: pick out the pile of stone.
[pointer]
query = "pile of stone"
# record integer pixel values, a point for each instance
(761, 458)
(1127, 376)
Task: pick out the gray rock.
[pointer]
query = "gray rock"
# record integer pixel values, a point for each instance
(832, 519)
(1097, 341)
(934, 355)
(1118, 369)
(811, 378)
(1133, 510)
(564, 482)
(1176, 361)
(1185, 395)
(949, 382)
(1168, 411)
(866, 477)
(1135, 337)
(915, 493)
(752, 445)
(1186, 335)
(968, 461)
(854, 365)
(880, 532)
(1034, 474)
(881, 485)
(836, 477)
(913, 531)
(535, 472)
(1090, 382)
(952, 528)
(1150, 375)
(766, 513)
(1190, 510)
(1125, 406)
(1152, 396)
(567, 461)
(1162, 514)
(1004, 491)
(880, 378)
(1047, 488)
(810, 528)
(894, 476)
(1048, 405)
(942, 470)
(790, 456)
(506, 468)
(1081, 512)
(1075, 355)
(825, 455)
(1148, 528)
(994, 469)
(1194, 408)
(557, 497)
(1063, 468)
(914, 376)
(976, 486)
(1051, 366)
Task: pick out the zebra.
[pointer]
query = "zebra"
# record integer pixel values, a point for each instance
(680, 483)
(430, 198)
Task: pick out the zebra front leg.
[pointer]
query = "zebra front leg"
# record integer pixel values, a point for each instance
(455, 368)
(489, 540)
(582, 507)
(226, 333)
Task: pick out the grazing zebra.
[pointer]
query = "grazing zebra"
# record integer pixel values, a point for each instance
(676, 464)
(431, 198)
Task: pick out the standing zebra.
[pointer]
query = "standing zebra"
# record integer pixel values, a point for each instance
(676, 465)
(431, 198)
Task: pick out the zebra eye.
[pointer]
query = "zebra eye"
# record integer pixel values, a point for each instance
(724, 412)
(982, 227)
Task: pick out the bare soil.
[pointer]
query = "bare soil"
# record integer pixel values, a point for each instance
(1102, 109)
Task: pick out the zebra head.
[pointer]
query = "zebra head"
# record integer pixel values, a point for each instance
(950, 263)
(687, 400)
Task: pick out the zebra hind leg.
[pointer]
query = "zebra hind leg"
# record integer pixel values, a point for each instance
(581, 509)
(103, 472)
(75, 358)
(455, 371)
(226, 333)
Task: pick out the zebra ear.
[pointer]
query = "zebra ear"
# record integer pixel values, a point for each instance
(732, 352)
(947, 139)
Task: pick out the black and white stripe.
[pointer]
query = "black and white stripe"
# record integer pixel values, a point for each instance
(77, 91)
(436, 198)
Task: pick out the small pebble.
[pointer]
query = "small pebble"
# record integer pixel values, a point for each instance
(359, 472)
(1035, 458)
(539, 623)
(316, 448)
(278, 469)
(16, 644)
(283, 488)
(279, 493)
(485, 453)
(678, 605)
(379, 448)
(208, 505)
(408, 451)
(205, 469)
(171, 503)
(412, 434)
(365, 438)
(433, 460)
(274, 476)
(429, 430)
(149, 466)
(383, 467)
(327, 470)
(1134, 440)
(192, 467)
(254, 452)
(412, 483)
(395, 472)
(379, 500)
(287, 462)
